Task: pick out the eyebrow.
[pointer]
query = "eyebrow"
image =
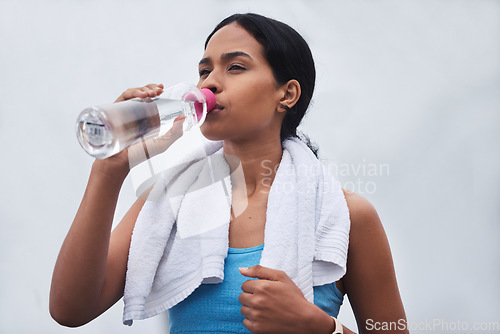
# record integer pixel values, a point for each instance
(226, 56)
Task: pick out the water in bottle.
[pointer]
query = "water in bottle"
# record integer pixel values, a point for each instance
(108, 129)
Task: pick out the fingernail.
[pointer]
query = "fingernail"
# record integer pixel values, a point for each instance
(243, 268)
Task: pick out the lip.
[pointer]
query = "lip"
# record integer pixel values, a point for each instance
(218, 108)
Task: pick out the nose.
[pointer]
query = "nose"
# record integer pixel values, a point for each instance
(211, 82)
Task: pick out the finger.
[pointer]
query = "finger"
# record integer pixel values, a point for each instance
(155, 87)
(155, 146)
(132, 93)
(175, 131)
(151, 90)
(148, 91)
(245, 299)
(258, 271)
(249, 286)
(248, 324)
(246, 312)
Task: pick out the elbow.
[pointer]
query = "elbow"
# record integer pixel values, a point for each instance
(64, 317)
(70, 310)
(64, 320)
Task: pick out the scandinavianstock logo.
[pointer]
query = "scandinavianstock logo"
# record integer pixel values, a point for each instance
(360, 177)
(433, 326)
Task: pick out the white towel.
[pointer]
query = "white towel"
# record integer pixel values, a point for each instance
(180, 239)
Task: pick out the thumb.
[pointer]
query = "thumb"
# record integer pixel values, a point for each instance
(258, 271)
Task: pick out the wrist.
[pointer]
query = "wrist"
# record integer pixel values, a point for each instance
(111, 170)
(320, 321)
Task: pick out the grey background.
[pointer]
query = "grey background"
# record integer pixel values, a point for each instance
(410, 88)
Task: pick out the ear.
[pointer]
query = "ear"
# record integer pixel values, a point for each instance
(291, 94)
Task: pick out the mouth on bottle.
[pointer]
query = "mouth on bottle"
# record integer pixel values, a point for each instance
(217, 108)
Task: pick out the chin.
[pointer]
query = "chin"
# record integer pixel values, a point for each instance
(210, 134)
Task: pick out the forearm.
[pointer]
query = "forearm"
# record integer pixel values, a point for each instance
(80, 268)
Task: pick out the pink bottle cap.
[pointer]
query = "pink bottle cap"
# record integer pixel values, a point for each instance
(210, 101)
(210, 97)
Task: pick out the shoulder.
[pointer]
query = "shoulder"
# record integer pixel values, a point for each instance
(370, 281)
(369, 250)
(362, 213)
(368, 244)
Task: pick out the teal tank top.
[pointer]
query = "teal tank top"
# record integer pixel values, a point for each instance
(215, 308)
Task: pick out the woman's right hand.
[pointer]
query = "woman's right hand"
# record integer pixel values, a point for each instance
(143, 150)
(89, 274)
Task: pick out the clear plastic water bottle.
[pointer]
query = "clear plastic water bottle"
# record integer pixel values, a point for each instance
(108, 129)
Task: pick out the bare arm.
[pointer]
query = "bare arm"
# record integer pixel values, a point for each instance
(89, 274)
(90, 270)
(370, 281)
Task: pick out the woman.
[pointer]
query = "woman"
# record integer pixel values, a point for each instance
(262, 74)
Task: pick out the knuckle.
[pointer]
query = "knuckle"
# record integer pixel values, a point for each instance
(257, 328)
(264, 286)
(260, 270)
(247, 312)
(151, 86)
(258, 301)
(261, 287)
(248, 324)
(282, 274)
(245, 286)
(130, 92)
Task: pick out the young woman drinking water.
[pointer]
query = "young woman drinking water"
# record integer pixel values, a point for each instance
(262, 74)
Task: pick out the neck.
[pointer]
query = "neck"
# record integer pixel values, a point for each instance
(259, 161)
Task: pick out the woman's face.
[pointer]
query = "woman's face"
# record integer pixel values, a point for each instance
(245, 89)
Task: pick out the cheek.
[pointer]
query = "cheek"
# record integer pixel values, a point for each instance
(258, 97)
(254, 108)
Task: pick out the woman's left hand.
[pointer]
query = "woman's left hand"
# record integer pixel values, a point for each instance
(273, 303)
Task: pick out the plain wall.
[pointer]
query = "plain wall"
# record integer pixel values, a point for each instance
(406, 112)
